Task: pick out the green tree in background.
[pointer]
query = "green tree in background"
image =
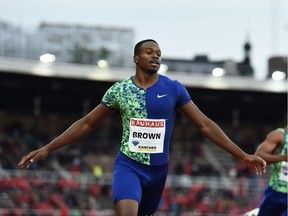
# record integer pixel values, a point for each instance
(83, 55)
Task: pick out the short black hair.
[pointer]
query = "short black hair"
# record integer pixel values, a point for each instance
(138, 45)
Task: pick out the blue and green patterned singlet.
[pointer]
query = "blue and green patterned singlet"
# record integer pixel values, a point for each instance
(279, 176)
(159, 101)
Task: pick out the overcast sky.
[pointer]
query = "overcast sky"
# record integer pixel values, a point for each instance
(183, 28)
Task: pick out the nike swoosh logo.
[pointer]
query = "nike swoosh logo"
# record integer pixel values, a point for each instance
(160, 96)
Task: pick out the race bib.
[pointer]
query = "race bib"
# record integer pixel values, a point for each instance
(284, 171)
(147, 135)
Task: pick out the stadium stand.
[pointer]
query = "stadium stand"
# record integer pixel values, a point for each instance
(76, 181)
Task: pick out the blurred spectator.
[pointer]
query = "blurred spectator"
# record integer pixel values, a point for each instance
(187, 160)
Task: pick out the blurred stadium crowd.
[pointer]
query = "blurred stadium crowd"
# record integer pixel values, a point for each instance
(76, 180)
(203, 179)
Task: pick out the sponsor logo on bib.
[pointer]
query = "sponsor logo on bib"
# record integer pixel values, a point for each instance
(147, 135)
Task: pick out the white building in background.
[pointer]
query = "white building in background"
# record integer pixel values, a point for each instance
(13, 41)
(62, 40)
(74, 43)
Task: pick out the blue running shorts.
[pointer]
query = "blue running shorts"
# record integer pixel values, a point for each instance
(273, 204)
(139, 182)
